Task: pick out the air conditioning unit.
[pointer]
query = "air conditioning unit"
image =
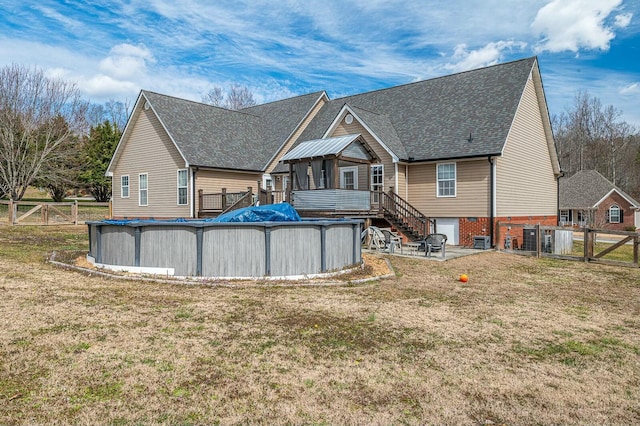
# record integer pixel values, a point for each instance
(481, 242)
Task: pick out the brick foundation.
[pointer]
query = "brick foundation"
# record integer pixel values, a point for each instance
(472, 227)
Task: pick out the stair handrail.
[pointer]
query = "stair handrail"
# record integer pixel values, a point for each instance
(400, 209)
(245, 201)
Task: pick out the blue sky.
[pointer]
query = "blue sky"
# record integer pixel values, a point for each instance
(114, 48)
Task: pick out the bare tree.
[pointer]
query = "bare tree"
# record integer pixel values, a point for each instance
(237, 97)
(37, 116)
(116, 112)
(215, 97)
(592, 137)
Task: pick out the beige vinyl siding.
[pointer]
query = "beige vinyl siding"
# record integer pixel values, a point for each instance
(149, 149)
(363, 170)
(472, 190)
(402, 189)
(212, 181)
(294, 137)
(526, 185)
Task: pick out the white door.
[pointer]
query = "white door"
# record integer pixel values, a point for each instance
(450, 227)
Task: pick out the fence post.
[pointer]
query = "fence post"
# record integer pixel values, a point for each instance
(44, 213)
(636, 242)
(10, 211)
(585, 240)
(498, 235)
(74, 212)
(538, 241)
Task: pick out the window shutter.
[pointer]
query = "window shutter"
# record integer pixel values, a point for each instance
(621, 216)
(608, 211)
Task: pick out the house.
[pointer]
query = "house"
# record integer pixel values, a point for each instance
(453, 154)
(589, 199)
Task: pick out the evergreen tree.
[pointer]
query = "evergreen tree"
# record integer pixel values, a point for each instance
(97, 153)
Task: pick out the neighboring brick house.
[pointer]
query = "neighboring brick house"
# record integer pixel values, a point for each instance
(458, 153)
(589, 199)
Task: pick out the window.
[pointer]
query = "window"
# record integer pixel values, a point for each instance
(582, 218)
(143, 189)
(376, 177)
(349, 177)
(182, 187)
(285, 186)
(565, 217)
(615, 214)
(124, 186)
(376, 181)
(446, 176)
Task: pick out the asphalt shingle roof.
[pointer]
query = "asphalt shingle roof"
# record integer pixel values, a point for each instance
(432, 119)
(209, 136)
(584, 189)
(426, 120)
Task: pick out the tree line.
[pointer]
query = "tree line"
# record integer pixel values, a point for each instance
(51, 138)
(591, 136)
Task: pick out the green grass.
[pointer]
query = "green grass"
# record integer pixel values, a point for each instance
(621, 254)
(31, 244)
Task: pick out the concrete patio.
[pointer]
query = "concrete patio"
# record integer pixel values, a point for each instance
(451, 252)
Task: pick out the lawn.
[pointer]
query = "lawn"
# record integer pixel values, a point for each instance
(525, 341)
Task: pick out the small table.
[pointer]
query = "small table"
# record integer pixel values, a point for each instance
(413, 247)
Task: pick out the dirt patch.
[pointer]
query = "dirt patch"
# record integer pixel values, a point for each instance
(373, 267)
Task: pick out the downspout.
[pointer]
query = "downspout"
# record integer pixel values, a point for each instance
(193, 192)
(492, 196)
(560, 175)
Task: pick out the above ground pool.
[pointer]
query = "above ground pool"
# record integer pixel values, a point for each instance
(193, 248)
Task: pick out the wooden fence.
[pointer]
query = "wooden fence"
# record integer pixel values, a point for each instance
(52, 213)
(581, 244)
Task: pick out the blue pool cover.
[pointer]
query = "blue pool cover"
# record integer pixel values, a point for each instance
(282, 212)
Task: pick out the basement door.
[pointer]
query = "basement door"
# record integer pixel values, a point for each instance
(450, 227)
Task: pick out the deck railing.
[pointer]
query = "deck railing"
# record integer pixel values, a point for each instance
(221, 201)
(396, 208)
(271, 197)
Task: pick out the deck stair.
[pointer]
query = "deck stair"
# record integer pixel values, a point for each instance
(403, 216)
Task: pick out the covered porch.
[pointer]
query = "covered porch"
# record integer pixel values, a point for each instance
(324, 175)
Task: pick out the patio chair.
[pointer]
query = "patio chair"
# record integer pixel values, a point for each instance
(435, 242)
(392, 240)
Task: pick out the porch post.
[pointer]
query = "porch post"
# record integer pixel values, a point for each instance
(224, 199)
(336, 174)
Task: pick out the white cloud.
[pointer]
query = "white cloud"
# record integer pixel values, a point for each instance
(623, 20)
(631, 89)
(576, 24)
(490, 54)
(126, 61)
(103, 86)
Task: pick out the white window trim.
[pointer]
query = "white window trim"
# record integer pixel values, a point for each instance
(180, 187)
(355, 176)
(128, 186)
(455, 181)
(381, 167)
(615, 206)
(564, 217)
(140, 189)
